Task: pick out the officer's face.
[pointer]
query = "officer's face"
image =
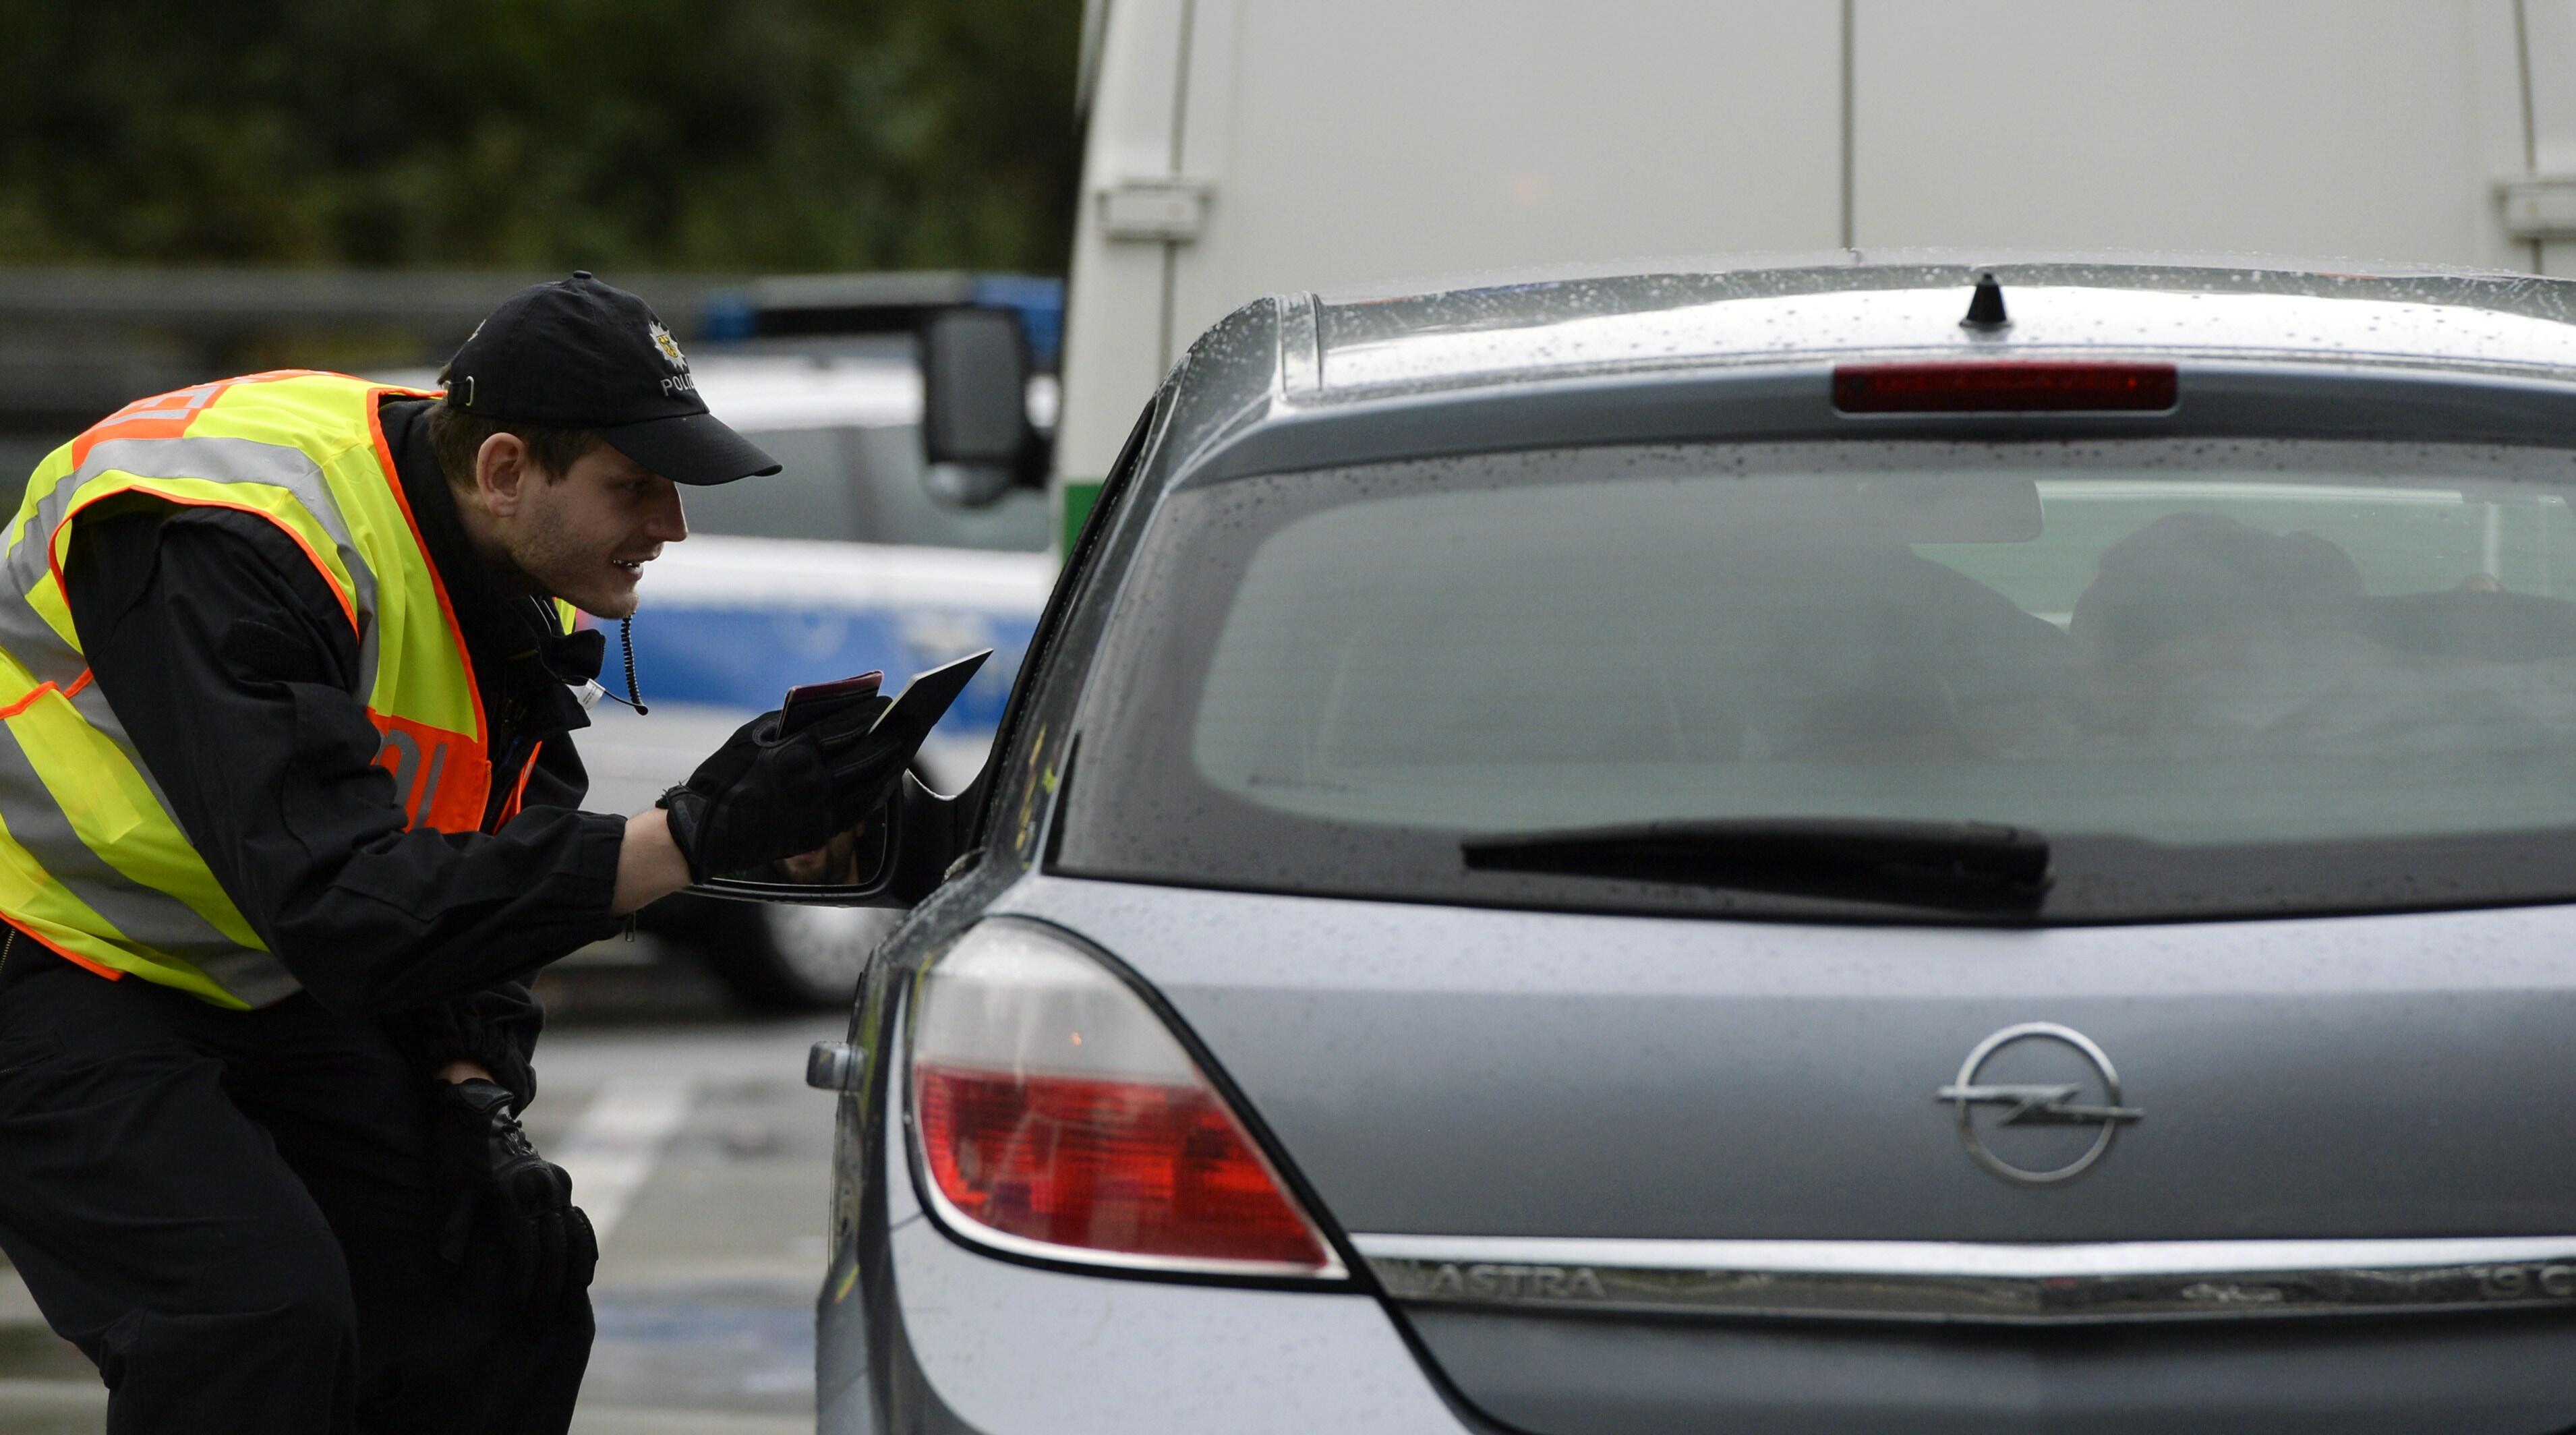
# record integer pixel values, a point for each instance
(585, 536)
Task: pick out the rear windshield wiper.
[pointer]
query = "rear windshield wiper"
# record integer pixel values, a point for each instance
(1943, 864)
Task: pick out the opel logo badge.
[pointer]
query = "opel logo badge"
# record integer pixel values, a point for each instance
(2019, 1115)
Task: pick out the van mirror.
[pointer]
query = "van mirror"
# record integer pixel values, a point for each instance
(968, 485)
(976, 436)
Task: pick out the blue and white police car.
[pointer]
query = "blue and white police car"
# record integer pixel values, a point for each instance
(845, 561)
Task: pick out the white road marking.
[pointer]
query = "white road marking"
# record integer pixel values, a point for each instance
(632, 1420)
(27, 1397)
(612, 1147)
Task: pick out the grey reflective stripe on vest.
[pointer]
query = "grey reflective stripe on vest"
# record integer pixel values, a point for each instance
(252, 978)
(91, 704)
(145, 917)
(33, 641)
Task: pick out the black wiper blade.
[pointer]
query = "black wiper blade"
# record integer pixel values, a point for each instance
(1947, 864)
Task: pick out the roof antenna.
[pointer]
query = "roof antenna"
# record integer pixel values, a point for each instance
(1986, 307)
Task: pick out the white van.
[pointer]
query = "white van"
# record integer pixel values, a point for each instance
(1243, 147)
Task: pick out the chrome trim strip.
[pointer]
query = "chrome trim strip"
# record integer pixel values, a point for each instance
(2101, 1283)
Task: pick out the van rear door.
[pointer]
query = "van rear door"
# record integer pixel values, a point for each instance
(1349, 140)
(2284, 128)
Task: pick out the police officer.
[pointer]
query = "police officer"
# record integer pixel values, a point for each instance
(288, 812)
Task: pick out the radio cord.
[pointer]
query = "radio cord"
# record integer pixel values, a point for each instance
(626, 640)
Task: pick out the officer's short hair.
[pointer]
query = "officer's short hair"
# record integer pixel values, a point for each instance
(457, 436)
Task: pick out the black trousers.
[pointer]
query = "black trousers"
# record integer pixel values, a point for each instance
(233, 1214)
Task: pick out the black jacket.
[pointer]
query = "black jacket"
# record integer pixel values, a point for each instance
(232, 666)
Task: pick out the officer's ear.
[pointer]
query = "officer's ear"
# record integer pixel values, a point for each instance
(502, 471)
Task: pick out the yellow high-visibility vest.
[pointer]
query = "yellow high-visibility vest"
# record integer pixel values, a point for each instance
(92, 864)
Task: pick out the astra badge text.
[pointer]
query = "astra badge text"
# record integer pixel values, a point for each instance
(1500, 1282)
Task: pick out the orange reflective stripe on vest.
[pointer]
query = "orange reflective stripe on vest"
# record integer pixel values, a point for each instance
(442, 778)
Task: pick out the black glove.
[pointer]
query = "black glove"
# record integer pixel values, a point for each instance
(764, 796)
(497, 1179)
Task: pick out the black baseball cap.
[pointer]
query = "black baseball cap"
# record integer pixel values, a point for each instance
(580, 354)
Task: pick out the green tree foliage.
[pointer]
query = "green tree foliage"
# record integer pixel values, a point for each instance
(616, 134)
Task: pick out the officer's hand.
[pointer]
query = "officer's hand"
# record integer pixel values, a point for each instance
(764, 796)
(832, 864)
(501, 1186)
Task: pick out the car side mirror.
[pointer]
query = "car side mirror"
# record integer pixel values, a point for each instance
(859, 868)
(876, 863)
(894, 859)
(976, 437)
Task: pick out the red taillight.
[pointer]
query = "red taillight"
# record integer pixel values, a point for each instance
(1124, 1166)
(2002, 386)
(1056, 1115)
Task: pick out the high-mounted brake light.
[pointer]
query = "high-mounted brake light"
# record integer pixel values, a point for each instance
(1057, 1116)
(2002, 386)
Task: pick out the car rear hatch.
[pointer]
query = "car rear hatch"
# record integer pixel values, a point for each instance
(1971, 1048)
(1638, 1173)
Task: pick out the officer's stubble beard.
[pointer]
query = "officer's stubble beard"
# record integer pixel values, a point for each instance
(553, 558)
(562, 535)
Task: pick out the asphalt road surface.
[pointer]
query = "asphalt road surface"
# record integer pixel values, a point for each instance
(703, 1159)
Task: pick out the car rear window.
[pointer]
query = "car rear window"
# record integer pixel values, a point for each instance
(2217, 676)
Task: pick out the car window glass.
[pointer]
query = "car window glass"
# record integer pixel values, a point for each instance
(1043, 674)
(2215, 644)
(813, 495)
(905, 512)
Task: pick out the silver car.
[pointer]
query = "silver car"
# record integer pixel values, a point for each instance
(1849, 846)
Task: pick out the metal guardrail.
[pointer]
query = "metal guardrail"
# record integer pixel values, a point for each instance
(227, 301)
(76, 343)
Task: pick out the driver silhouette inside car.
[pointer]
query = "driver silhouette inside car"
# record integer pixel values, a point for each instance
(2207, 632)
